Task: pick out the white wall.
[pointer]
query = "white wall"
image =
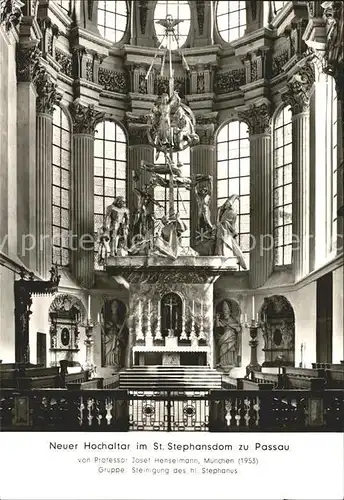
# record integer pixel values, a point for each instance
(338, 316)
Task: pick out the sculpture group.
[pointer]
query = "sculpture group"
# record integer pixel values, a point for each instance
(152, 230)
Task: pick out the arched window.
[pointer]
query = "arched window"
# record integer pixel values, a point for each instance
(65, 4)
(112, 19)
(178, 10)
(110, 167)
(61, 187)
(233, 176)
(181, 195)
(282, 187)
(231, 19)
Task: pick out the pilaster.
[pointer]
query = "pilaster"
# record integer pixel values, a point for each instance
(258, 118)
(82, 204)
(28, 68)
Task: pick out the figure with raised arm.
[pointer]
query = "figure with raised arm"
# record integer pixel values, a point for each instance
(117, 223)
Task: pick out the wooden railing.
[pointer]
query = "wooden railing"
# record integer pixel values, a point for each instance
(217, 411)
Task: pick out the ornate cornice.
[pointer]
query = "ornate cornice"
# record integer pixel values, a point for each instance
(334, 53)
(84, 118)
(257, 117)
(28, 63)
(297, 92)
(47, 95)
(229, 81)
(113, 81)
(11, 13)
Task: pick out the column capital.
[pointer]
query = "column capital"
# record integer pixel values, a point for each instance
(11, 13)
(28, 63)
(258, 118)
(47, 94)
(137, 127)
(297, 92)
(334, 54)
(84, 117)
(205, 128)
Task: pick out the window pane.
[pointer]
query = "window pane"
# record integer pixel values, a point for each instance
(231, 19)
(61, 188)
(112, 19)
(234, 147)
(282, 190)
(109, 174)
(178, 10)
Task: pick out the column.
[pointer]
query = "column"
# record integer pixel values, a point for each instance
(47, 98)
(297, 96)
(82, 204)
(139, 149)
(258, 118)
(28, 65)
(203, 161)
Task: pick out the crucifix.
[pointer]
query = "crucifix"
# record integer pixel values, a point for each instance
(171, 314)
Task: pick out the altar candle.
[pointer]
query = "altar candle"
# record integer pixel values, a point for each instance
(245, 317)
(149, 309)
(89, 307)
(98, 318)
(257, 317)
(253, 307)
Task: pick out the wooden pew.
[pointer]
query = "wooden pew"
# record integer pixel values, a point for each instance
(252, 385)
(32, 377)
(93, 383)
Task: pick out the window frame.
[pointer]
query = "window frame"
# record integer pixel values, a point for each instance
(240, 27)
(106, 26)
(283, 167)
(59, 187)
(240, 178)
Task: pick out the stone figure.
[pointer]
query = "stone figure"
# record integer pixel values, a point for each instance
(161, 131)
(203, 196)
(226, 336)
(226, 234)
(171, 167)
(104, 249)
(184, 128)
(117, 223)
(172, 125)
(115, 334)
(143, 223)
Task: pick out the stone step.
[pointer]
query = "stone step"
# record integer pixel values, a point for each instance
(170, 377)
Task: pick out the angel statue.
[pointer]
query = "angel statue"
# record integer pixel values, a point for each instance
(184, 128)
(161, 134)
(226, 234)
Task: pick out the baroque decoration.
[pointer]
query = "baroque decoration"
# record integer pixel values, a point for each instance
(200, 7)
(230, 81)
(113, 81)
(47, 95)
(297, 94)
(24, 289)
(84, 118)
(257, 117)
(334, 53)
(28, 63)
(11, 13)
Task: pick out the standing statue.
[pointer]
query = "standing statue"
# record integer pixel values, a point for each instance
(104, 249)
(117, 223)
(226, 234)
(226, 336)
(143, 223)
(203, 196)
(114, 334)
(184, 128)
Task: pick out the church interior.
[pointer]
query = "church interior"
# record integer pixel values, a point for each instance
(171, 215)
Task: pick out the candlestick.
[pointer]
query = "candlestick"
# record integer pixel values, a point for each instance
(139, 333)
(245, 317)
(253, 307)
(89, 307)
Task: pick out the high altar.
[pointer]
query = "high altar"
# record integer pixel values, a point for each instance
(169, 320)
(170, 308)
